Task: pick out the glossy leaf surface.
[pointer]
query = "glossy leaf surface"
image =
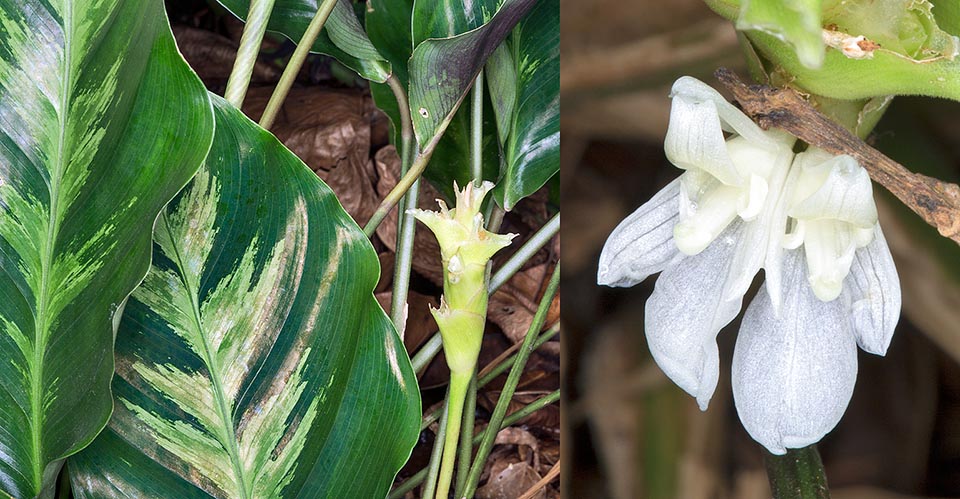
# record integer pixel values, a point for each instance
(451, 158)
(342, 36)
(101, 123)
(532, 121)
(442, 70)
(254, 362)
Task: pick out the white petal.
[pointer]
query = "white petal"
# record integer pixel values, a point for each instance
(793, 376)
(760, 244)
(690, 89)
(873, 290)
(687, 310)
(829, 246)
(643, 242)
(844, 193)
(695, 140)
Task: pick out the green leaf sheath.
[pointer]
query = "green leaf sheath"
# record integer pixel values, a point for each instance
(254, 362)
(442, 70)
(342, 37)
(101, 123)
(532, 149)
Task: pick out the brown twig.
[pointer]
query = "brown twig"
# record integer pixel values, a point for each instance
(937, 202)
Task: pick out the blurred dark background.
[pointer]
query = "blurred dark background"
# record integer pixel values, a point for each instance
(631, 432)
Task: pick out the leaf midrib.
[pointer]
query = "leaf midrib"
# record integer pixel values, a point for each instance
(227, 431)
(42, 322)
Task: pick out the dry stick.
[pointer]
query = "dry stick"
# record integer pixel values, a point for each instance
(550, 476)
(295, 63)
(936, 201)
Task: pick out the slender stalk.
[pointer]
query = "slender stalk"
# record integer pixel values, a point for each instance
(433, 468)
(296, 62)
(256, 26)
(525, 253)
(419, 477)
(494, 369)
(406, 226)
(403, 185)
(427, 352)
(465, 450)
(486, 444)
(459, 383)
(798, 474)
(476, 130)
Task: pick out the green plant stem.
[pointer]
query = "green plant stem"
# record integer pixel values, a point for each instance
(456, 396)
(513, 265)
(497, 370)
(433, 468)
(476, 130)
(419, 477)
(506, 395)
(466, 435)
(295, 63)
(253, 30)
(406, 225)
(431, 348)
(406, 181)
(798, 474)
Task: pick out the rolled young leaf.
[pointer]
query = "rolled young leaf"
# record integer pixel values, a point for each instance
(254, 362)
(532, 150)
(102, 123)
(342, 36)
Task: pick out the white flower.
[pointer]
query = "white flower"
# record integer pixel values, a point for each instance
(744, 203)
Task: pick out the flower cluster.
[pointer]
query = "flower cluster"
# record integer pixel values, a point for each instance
(743, 203)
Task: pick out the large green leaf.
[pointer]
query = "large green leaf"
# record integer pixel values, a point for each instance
(101, 123)
(446, 18)
(254, 362)
(451, 158)
(442, 70)
(342, 36)
(531, 123)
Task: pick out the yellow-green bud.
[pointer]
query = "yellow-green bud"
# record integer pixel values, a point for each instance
(465, 248)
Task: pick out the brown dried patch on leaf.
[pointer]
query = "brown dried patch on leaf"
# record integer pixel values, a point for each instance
(212, 56)
(330, 131)
(426, 251)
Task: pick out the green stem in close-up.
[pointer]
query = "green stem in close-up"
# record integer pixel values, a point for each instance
(476, 130)
(253, 31)
(798, 474)
(422, 475)
(466, 434)
(406, 225)
(295, 63)
(459, 383)
(433, 468)
(510, 386)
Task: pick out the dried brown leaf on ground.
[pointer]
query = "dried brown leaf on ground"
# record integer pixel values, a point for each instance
(212, 55)
(330, 131)
(513, 305)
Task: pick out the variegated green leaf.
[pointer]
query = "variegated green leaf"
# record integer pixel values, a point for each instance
(532, 122)
(101, 123)
(342, 36)
(446, 18)
(254, 362)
